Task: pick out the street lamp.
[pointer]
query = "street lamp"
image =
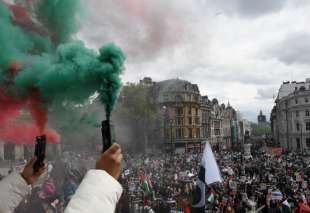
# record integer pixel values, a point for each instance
(171, 123)
(301, 139)
(164, 108)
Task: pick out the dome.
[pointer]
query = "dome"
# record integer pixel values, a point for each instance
(215, 101)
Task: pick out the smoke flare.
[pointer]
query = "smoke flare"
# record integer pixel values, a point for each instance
(41, 64)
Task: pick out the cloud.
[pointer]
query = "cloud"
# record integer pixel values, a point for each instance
(266, 93)
(293, 49)
(249, 8)
(233, 49)
(143, 28)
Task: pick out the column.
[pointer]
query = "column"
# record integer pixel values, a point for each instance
(1, 151)
(19, 152)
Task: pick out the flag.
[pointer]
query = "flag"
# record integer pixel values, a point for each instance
(212, 172)
(285, 203)
(276, 195)
(199, 200)
(209, 173)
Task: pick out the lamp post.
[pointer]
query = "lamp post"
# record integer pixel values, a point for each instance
(171, 123)
(165, 125)
(301, 142)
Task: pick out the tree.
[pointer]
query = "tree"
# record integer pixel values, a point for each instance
(261, 129)
(137, 113)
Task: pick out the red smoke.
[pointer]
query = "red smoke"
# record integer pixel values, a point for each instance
(11, 110)
(38, 110)
(12, 129)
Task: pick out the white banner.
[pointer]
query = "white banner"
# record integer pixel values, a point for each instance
(212, 174)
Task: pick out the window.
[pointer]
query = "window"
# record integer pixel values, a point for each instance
(180, 121)
(166, 97)
(190, 120)
(308, 126)
(196, 98)
(197, 133)
(296, 101)
(197, 120)
(196, 111)
(297, 127)
(190, 111)
(217, 125)
(178, 99)
(298, 143)
(179, 133)
(307, 113)
(217, 132)
(190, 132)
(308, 142)
(179, 111)
(297, 113)
(306, 100)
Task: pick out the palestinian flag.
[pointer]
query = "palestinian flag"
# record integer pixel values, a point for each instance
(209, 173)
(146, 186)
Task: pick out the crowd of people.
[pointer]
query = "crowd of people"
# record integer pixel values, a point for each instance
(265, 182)
(164, 183)
(64, 188)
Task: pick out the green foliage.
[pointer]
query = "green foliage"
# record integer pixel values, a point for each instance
(261, 129)
(136, 104)
(137, 111)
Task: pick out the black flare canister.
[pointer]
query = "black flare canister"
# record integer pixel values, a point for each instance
(39, 152)
(106, 134)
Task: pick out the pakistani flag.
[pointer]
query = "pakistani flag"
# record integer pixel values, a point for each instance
(209, 173)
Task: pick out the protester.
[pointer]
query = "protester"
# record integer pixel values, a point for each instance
(165, 182)
(100, 190)
(15, 187)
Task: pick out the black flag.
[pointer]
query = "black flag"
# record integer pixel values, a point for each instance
(199, 196)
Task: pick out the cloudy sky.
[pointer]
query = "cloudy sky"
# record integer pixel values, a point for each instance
(235, 50)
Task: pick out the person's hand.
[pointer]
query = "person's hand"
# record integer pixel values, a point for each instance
(28, 173)
(111, 160)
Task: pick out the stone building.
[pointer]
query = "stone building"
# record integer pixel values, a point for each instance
(290, 117)
(206, 107)
(216, 125)
(10, 151)
(223, 125)
(189, 119)
(229, 124)
(180, 103)
(261, 118)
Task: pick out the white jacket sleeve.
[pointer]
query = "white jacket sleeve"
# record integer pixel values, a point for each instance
(13, 189)
(98, 193)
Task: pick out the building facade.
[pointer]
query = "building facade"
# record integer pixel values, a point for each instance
(206, 108)
(229, 126)
(180, 103)
(189, 119)
(290, 117)
(10, 151)
(261, 118)
(216, 123)
(17, 152)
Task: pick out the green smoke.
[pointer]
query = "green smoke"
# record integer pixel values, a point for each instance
(74, 73)
(68, 72)
(14, 43)
(59, 17)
